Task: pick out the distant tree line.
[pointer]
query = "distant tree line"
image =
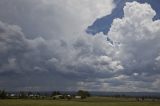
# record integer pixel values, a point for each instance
(37, 95)
(81, 94)
(54, 93)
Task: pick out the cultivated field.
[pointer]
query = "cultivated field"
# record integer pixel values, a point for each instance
(92, 101)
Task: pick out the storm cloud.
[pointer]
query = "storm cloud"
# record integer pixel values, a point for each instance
(44, 46)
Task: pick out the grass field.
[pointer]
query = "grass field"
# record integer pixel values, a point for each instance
(93, 101)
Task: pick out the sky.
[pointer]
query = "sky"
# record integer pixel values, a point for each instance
(100, 45)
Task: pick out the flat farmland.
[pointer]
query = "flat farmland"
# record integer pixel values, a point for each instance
(92, 101)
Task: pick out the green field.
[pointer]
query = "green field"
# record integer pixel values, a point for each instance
(93, 101)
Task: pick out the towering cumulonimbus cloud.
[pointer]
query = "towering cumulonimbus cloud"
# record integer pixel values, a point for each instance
(138, 35)
(103, 24)
(136, 39)
(139, 38)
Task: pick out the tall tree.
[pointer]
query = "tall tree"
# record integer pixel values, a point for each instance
(3, 94)
(83, 94)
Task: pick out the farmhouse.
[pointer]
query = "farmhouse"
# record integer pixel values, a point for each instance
(78, 97)
(58, 96)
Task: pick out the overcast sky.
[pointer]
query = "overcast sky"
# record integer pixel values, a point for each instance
(96, 45)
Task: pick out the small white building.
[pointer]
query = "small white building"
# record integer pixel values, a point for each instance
(58, 96)
(12, 95)
(78, 97)
(31, 95)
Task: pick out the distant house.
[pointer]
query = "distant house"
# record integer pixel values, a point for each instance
(68, 95)
(31, 95)
(12, 95)
(78, 97)
(58, 96)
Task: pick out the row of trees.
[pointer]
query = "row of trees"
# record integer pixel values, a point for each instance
(25, 95)
(82, 94)
(54, 93)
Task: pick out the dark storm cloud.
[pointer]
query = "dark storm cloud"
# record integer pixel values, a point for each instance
(57, 59)
(38, 49)
(16, 48)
